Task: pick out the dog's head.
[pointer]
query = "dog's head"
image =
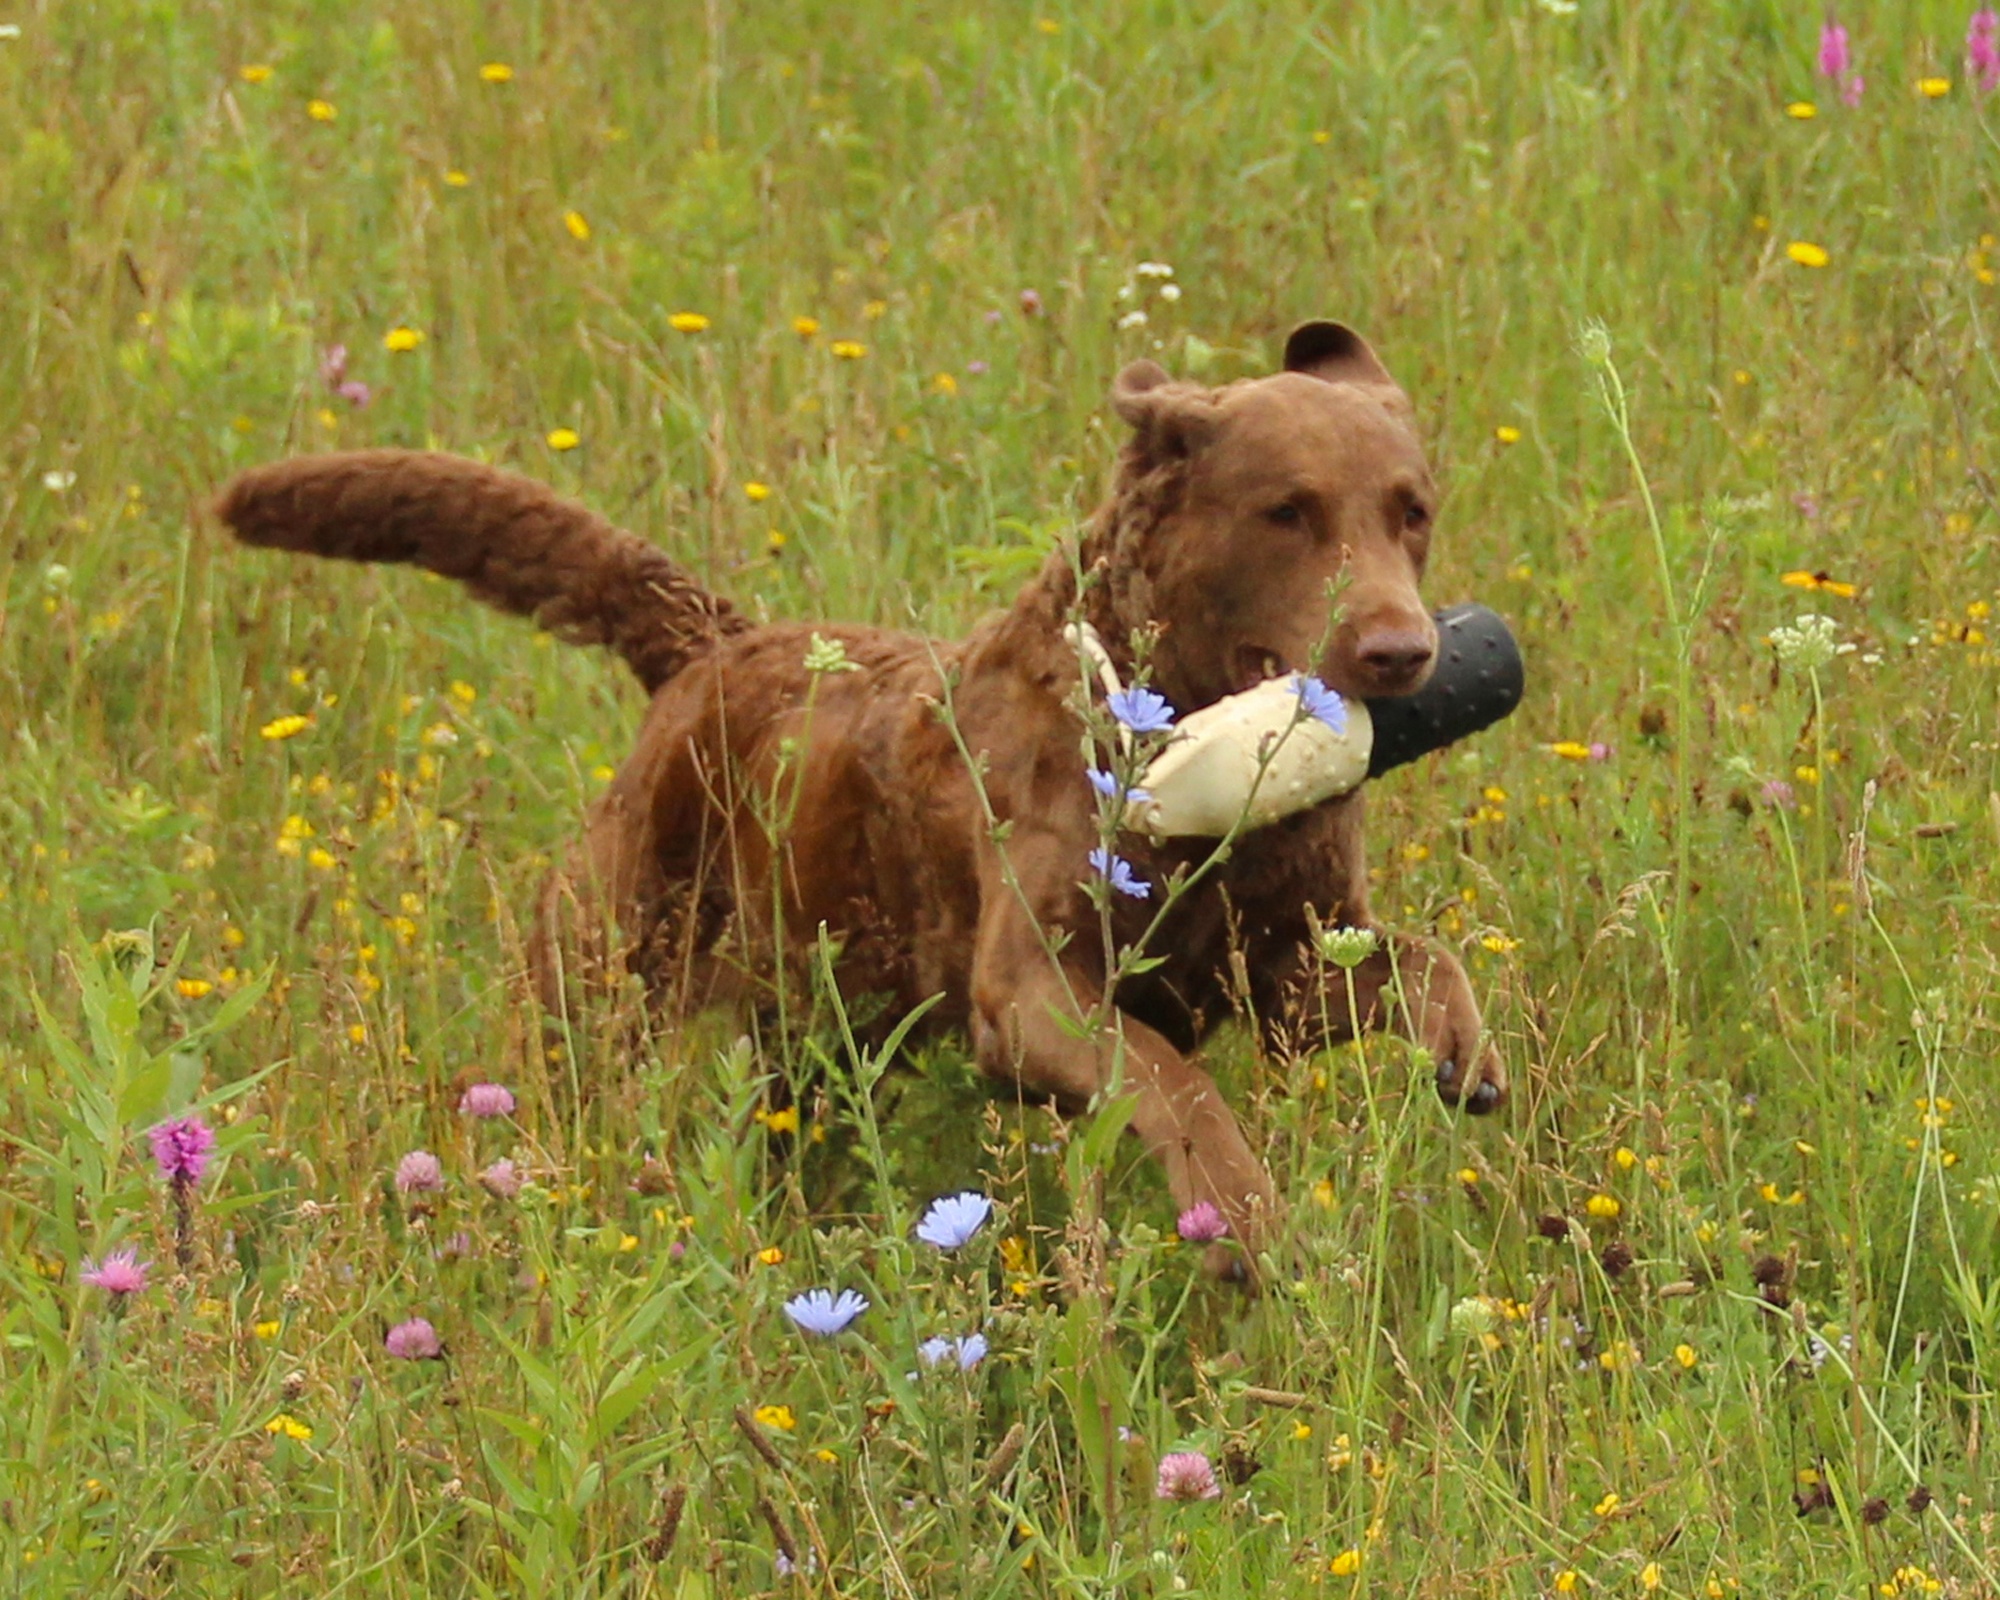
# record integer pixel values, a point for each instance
(1273, 493)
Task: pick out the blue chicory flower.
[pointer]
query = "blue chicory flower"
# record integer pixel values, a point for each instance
(1141, 710)
(1117, 871)
(968, 1351)
(819, 1311)
(1106, 784)
(1322, 703)
(953, 1219)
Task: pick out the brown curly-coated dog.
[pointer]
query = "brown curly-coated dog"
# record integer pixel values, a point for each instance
(764, 799)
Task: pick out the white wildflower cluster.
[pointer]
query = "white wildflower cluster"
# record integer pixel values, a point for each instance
(1148, 280)
(1807, 645)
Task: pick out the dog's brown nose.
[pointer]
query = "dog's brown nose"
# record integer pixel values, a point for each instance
(1395, 655)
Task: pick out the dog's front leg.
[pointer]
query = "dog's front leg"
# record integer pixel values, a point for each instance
(1419, 989)
(1028, 1024)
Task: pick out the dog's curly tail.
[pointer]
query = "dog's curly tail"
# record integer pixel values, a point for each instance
(514, 543)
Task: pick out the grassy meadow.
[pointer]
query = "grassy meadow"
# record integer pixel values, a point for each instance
(826, 300)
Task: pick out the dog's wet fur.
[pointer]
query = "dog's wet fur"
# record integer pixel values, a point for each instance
(764, 799)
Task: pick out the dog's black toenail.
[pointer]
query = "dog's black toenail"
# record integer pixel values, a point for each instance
(1447, 1074)
(1484, 1099)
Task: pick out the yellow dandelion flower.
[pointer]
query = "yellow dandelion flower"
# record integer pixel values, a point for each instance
(564, 438)
(805, 327)
(848, 349)
(1603, 1206)
(771, 1255)
(579, 229)
(1821, 582)
(254, 72)
(779, 1417)
(285, 727)
(1685, 1355)
(687, 322)
(194, 988)
(756, 492)
(1933, 88)
(496, 72)
(1607, 1505)
(401, 340)
(322, 110)
(1507, 434)
(455, 179)
(290, 1426)
(1650, 1576)
(1807, 254)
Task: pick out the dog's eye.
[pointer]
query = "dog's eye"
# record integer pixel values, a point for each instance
(1285, 515)
(1415, 516)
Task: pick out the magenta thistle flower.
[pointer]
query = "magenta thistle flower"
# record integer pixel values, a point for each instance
(1852, 90)
(419, 1172)
(1779, 793)
(119, 1274)
(1982, 49)
(1187, 1475)
(415, 1340)
(1835, 58)
(1202, 1223)
(502, 1180)
(181, 1147)
(487, 1100)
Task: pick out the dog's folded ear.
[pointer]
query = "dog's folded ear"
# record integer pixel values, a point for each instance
(1169, 418)
(1334, 353)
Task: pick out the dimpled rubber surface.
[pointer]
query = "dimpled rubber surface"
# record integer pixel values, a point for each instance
(1479, 679)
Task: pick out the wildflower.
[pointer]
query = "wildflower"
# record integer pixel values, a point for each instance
(1807, 254)
(322, 110)
(181, 1148)
(564, 439)
(455, 179)
(1808, 645)
(1933, 88)
(820, 1311)
(1778, 794)
(1201, 1223)
(848, 349)
(419, 1172)
(1835, 59)
(1650, 1576)
(828, 655)
(193, 988)
(1603, 1206)
(1802, 111)
(414, 1340)
(502, 1180)
(687, 322)
(1506, 433)
(1031, 303)
(779, 1417)
(1820, 581)
(1852, 90)
(58, 481)
(1346, 948)
(1117, 871)
(756, 493)
(968, 1350)
(1570, 750)
(1172, 291)
(1109, 786)
(770, 1256)
(1321, 703)
(1346, 1564)
(1566, 1581)
(945, 384)
(254, 72)
(1607, 1505)
(487, 1100)
(401, 340)
(805, 327)
(1684, 1354)
(281, 728)
(1186, 1475)
(1473, 1317)
(267, 1330)
(1141, 710)
(784, 1120)
(1982, 49)
(496, 72)
(579, 229)
(953, 1219)
(1132, 319)
(120, 1274)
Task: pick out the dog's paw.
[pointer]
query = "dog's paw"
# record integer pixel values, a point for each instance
(1481, 1091)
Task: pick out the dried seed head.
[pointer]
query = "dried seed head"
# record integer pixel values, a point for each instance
(1552, 1225)
(1616, 1258)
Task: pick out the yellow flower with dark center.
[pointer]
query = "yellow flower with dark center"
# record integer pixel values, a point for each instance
(579, 229)
(687, 322)
(779, 1417)
(1807, 254)
(254, 72)
(1820, 582)
(564, 439)
(401, 340)
(321, 110)
(848, 349)
(496, 72)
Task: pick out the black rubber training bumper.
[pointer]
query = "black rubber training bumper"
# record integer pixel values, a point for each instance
(1478, 681)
